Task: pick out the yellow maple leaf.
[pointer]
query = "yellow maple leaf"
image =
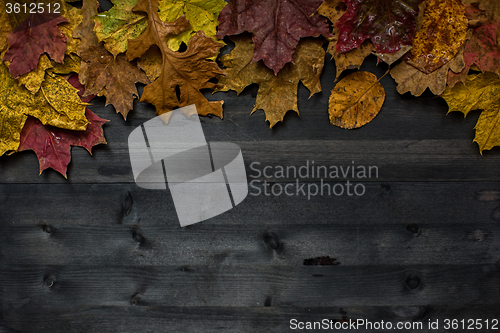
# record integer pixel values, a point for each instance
(56, 103)
(201, 14)
(480, 92)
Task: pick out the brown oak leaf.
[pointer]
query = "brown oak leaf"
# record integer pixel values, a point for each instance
(36, 35)
(183, 73)
(276, 25)
(115, 78)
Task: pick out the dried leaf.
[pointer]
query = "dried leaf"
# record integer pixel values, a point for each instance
(388, 24)
(187, 71)
(333, 10)
(85, 30)
(52, 145)
(481, 49)
(202, 15)
(34, 79)
(491, 7)
(276, 25)
(480, 92)
(390, 58)
(112, 77)
(443, 32)
(119, 24)
(56, 104)
(71, 64)
(74, 18)
(5, 27)
(410, 79)
(277, 93)
(34, 36)
(151, 63)
(356, 100)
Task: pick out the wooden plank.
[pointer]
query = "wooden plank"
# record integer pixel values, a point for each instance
(54, 287)
(258, 319)
(402, 203)
(223, 319)
(396, 160)
(279, 245)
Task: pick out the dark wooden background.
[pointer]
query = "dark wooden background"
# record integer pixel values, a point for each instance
(95, 253)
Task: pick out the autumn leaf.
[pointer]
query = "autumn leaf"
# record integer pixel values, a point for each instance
(442, 33)
(202, 15)
(119, 24)
(481, 49)
(276, 25)
(388, 24)
(491, 7)
(356, 100)
(52, 145)
(115, 78)
(85, 30)
(36, 35)
(480, 92)
(151, 63)
(74, 18)
(183, 72)
(277, 93)
(33, 80)
(333, 10)
(5, 27)
(16, 103)
(410, 79)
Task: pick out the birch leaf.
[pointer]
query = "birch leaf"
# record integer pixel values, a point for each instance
(356, 100)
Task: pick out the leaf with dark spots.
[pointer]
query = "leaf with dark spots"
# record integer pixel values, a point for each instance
(388, 24)
(442, 33)
(276, 25)
(36, 35)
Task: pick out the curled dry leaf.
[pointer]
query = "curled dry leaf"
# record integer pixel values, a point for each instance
(36, 35)
(186, 72)
(356, 100)
(119, 24)
(16, 103)
(388, 24)
(202, 15)
(480, 92)
(333, 10)
(276, 25)
(277, 93)
(115, 78)
(410, 79)
(442, 33)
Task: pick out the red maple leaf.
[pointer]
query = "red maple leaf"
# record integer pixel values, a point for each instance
(52, 145)
(36, 35)
(482, 48)
(388, 23)
(277, 26)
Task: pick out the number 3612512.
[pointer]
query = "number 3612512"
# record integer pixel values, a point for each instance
(33, 8)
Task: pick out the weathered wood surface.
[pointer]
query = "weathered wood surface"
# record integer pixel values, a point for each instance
(95, 253)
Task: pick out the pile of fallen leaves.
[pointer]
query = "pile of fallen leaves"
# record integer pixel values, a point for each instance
(53, 62)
